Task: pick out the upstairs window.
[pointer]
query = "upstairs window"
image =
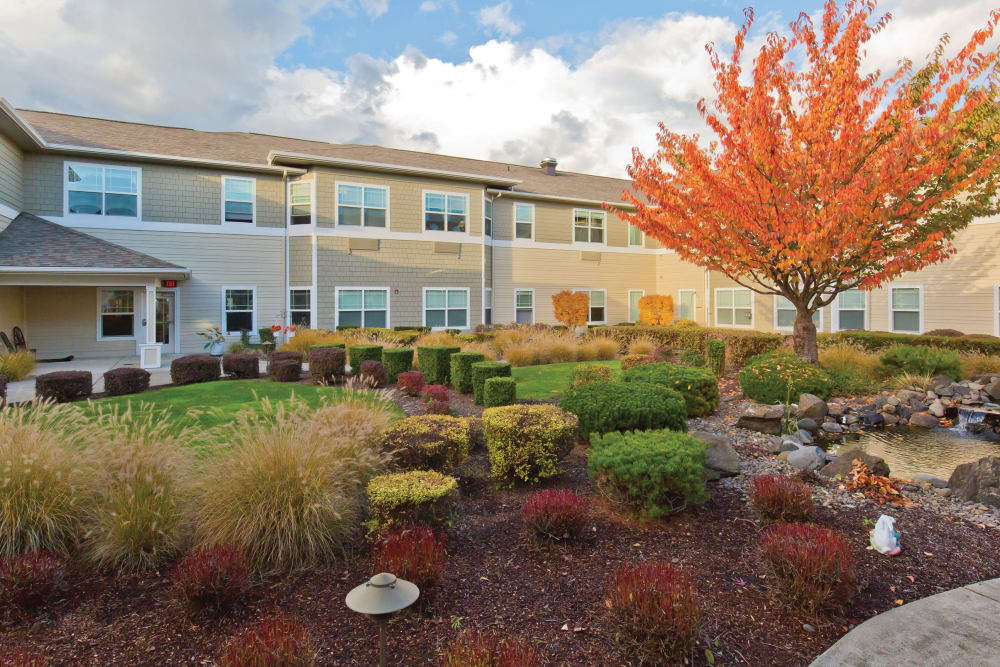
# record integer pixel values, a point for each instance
(239, 309)
(96, 190)
(524, 221)
(117, 314)
(588, 226)
(445, 212)
(488, 217)
(635, 237)
(238, 199)
(362, 205)
(300, 307)
(300, 204)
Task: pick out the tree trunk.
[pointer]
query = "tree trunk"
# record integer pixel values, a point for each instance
(804, 336)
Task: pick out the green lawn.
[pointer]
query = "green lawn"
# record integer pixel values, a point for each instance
(548, 381)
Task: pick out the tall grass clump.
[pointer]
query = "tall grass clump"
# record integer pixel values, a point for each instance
(644, 345)
(482, 348)
(852, 370)
(16, 365)
(975, 364)
(306, 338)
(42, 475)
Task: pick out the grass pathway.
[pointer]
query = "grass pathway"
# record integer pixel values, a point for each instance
(549, 381)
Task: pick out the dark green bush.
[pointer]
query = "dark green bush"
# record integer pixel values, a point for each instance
(773, 377)
(461, 370)
(358, 354)
(693, 358)
(341, 346)
(483, 370)
(396, 360)
(434, 362)
(740, 344)
(499, 391)
(715, 351)
(698, 386)
(920, 360)
(422, 330)
(266, 335)
(874, 341)
(603, 407)
(658, 472)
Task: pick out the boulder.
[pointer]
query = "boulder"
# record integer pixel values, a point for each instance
(892, 400)
(874, 420)
(807, 458)
(890, 419)
(937, 408)
(978, 481)
(721, 460)
(762, 418)
(808, 424)
(805, 437)
(835, 409)
(811, 407)
(845, 460)
(941, 381)
(961, 391)
(906, 395)
(936, 482)
(833, 427)
(924, 420)
(789, 444)
(993, 389)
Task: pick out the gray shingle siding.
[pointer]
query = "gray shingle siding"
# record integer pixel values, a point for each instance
(11, 174)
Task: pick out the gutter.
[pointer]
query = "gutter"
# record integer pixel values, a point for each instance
(558, 198)
(93, 269)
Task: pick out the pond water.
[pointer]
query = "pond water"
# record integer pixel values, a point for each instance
(911, 450)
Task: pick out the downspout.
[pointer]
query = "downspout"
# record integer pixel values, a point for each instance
(708, 303)
(493, 262)
(284, 188)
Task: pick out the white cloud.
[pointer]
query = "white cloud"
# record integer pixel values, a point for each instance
(373, 8)
(448, 38)
(429, 6)
(496, 19)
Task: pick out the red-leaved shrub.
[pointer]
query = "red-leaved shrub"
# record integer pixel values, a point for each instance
(435, 392)
(439, 408)
(813, 566)
(31, 579)
(277, 641)
(474, 649)
(413, 553)
(212, 576)
(372, 373)
(555, 515)
(656, 605)
(410, 382)
(781, 498)
(23, 657)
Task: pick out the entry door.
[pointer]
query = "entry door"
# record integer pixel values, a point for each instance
(164, 318)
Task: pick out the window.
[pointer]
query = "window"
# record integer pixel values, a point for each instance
(636, 238)
(488, 216)
(96, 190)
(239, 309)
(784, 314)
(524, 306)
(633, 304)
(117, 314)
(362, 205)
(488, 306)
(300, 307)
(588, 226)
(238, 199)
(524, 221)
(596, 313)
(686, 299)
(363, 307)
(905, 305)
(733, 307)
(446, 308)
(849, 310)
(445, 212)
(300, 208)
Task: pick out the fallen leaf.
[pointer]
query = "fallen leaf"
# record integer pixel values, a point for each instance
(899, 602)
(911, 578)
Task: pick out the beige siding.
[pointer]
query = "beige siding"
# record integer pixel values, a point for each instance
(488, 266)
(554, 222)
(11, 308)
(300, 260)
(674, 274)
(11, 174)
(63, 321)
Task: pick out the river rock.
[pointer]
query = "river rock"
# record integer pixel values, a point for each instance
(721, 460)
(978, 481)
(993, 389)
(876, 419)
(808, 424)
(845, 460)
(892, 400)
(834, 409)
(924, 420)
(832, 427)
(890, 419)
(906, 395)
(805, 437)
(941, 381)
(936, 482)
(762, 418)
(789, 444)
(811, 407)
(807, 458)
(937, 408)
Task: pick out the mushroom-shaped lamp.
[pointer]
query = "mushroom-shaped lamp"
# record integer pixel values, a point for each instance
(379, 597)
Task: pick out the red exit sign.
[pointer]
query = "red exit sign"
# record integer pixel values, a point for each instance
(169, 283)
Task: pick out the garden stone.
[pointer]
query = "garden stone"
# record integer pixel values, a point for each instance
(941, 381)
(978, 481)
(805, 437)
(852, 419)
(774, 445)
(845, 461)
(918, 406)
(931, 395)
(762, 418)
(937, 408)
(961, 391)
(892, 400)
(789, 444)
(975, 386)
(874, 420)
(834, 409)
(924, 420)
(867, 408)
(721, 460)
(807, 458)
(993, 389)
(811, 407)
(944, 493)
(808, 425)
(936, 482)
(946, 391)
(906, 395)
(889, 409)
(880, 402)
(903, 413)
(890, 419)
(833, 427)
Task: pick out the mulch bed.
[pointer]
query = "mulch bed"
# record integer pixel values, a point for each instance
(499, 579)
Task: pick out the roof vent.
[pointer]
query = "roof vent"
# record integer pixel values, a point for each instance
(549, 165)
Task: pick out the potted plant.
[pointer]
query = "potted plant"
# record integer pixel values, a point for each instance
(215, 341)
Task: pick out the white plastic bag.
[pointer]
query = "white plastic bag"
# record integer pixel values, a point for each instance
(885, 537)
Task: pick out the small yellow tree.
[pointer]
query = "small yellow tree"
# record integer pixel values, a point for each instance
(571, 308)
(656, 309)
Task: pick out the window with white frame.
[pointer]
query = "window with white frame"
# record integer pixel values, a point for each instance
(524, 306)
(488, 306)
(524, 221)
(99, 190)
(444, 212)
(239, 309)
(487, 216)
(363, 307)
(238, 203)
(300, 307)
(636, 237)
(905, 306)
(446, 308)
(784, 314)
(597, 306)
(588, 226)
(117, 314)
(850, 310)
(300, 203)
(685, 304)
(634, 296)
(362, 205)
(733, 307)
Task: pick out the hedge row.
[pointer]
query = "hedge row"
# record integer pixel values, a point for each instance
(873, 341)
(740, 344)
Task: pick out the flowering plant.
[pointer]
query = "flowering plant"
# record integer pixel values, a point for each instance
(212, 335)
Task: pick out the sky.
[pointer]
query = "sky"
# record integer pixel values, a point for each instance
(514, 80)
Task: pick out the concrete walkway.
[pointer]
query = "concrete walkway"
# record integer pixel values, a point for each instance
(957, 627)
(24, 390)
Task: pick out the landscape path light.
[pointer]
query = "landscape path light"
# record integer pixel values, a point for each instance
(379, 597)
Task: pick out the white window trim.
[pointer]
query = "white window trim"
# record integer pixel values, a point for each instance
(628, 303)
(628, 237)
(694, 303)
(533, 303)
(604, 234)
(336, 303)
(361, 227)
(312, 204)
(594, 289)
(774, 317)
(253, 201)
(492, 217)
(135, 313)
(288, 305)
(445, 234)
(753, 306)
(468, 307)
(492, 306)
(90, 216)
(920, 293)
(513, 221)
(222, 322)
(835, 313)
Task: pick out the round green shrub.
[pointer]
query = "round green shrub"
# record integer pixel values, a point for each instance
(461, 370)
(428, 441)
(419, 496)
(658, 472)
(698, 386)
(920, 360)
(396, 360)
(358, 354)
(777, 376)
(499, 391)
(487, 369)
(526, 442)
(603, 407)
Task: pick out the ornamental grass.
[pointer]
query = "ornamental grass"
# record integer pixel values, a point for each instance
(781, 498)
(813, 566)
(276, 641)
(16, 365)
(475, 649)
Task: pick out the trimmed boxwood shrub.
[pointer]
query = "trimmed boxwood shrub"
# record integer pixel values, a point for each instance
(121, 381)
(372, 373)
(194, 368)
(526, 442)
(285, 371)
(435, 362)
(874, 341)
(499, 391)
(487, 369)
(286, 355)
(715, 352)
(416, 497)
(358, 354)
(773, 377)
(920, 360)
(461, 370)
(428, 441)
(658, 472)
(740, 344)
(327, 364)
(64, 386)
(341, 345)
(603, 407)
(244, 366)
(698, 386)
(396, 360)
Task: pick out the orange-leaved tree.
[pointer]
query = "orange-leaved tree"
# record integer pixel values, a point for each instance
(656, 309)
(822, 177)
(571, 308)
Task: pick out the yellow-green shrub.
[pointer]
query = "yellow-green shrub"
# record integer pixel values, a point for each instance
(306, 338)
(428, 441)
(418, 496)
(526, 442)
(16, 365)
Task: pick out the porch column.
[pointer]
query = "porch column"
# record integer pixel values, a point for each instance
(149, 352)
